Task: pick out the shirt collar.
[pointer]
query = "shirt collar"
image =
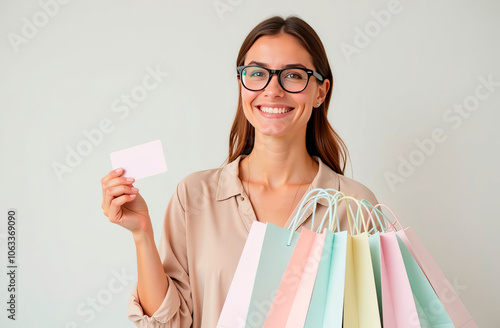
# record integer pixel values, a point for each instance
(230, 185)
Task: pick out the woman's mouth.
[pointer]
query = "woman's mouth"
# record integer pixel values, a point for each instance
(274, 110)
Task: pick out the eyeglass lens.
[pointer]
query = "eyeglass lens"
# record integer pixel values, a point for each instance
(256, 78)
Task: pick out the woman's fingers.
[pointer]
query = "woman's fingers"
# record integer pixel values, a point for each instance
(114, 185)
(115, 207)
(113, 174)
(117, 191)
(111, 193)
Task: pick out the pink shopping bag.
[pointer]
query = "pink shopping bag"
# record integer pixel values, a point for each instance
(285, 296)
(300, 306)
(451, 301)
(398, 305)
(235, 310)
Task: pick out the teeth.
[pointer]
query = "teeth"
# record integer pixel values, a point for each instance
(274, 110)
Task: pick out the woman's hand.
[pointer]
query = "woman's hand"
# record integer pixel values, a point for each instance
(123, 204)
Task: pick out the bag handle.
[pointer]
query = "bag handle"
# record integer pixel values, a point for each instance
(386, 219)
(394, 215)
(332, 222)
(350, 220)
(367, 204)
(320, 194)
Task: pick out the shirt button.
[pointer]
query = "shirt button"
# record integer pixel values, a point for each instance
(242, 198)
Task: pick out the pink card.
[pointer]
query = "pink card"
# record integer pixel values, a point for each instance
(140, 161)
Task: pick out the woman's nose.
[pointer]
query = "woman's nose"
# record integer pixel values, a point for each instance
(274, 88)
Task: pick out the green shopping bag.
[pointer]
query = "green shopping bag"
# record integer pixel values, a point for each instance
(277, 249)
(327, 302)
(431, 312)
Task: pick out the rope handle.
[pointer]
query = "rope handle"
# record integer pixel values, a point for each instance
(350, 220)
(394, 215)
(320, 194)
(367, 204)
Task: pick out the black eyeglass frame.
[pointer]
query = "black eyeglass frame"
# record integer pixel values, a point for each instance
(309, 73)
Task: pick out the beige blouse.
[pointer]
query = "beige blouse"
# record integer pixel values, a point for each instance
(205, 228)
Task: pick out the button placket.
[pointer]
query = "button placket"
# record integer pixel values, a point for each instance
(245, 209)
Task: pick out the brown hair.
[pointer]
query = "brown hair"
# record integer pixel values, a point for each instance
(321, 139)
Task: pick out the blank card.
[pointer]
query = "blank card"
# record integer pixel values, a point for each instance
(140, 161)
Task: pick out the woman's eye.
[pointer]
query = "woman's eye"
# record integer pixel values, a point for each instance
(294, 76)
(257, 74)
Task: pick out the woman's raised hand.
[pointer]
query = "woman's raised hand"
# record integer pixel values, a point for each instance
(122, 203)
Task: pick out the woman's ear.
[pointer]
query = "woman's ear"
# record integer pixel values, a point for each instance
(322, 91)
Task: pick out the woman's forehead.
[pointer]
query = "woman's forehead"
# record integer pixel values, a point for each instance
(276, 51)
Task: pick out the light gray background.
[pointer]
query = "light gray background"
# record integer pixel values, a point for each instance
(64, 80)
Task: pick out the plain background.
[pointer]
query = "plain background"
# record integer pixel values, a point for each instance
(394, 90)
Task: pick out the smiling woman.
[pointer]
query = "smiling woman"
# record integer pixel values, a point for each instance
(281, 146)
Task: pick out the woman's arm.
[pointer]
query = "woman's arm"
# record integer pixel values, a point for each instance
(152, 283)
(162, 297)
(152, 304)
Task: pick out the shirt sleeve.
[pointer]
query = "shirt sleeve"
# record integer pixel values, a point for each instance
(176, 308)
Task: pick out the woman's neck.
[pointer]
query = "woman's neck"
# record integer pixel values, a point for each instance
(276, 164)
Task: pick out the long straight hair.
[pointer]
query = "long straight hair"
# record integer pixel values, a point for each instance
(321, 138)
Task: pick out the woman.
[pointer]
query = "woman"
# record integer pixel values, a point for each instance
(281, 145)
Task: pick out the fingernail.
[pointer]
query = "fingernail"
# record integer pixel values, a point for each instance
(134, 188)
(129, 179)
(132, 196)
(118, 170)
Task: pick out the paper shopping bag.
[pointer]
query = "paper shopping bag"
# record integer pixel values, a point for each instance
(398, 306)
(376, 257)
(273, 261)
(327, 302)
(301, 303)
(334, 306)
(431, 312)
(360, 299)
(451, 301)
(235, 309)
(317, 305)
(287, 290)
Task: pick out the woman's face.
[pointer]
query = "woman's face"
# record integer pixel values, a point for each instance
(278, 52)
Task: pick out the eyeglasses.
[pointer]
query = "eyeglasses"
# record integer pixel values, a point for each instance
(291, 79)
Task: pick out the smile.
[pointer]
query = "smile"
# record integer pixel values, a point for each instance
(275, 110)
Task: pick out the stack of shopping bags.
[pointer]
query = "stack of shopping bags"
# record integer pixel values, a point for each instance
(377, 274)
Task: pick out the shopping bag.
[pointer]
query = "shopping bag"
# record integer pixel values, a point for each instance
(361, 307)
(451, 301)
(318, 296)
(374, 241)
(315, 313)
(336, 284)
(287, 290)
(432, 312)
(301, 302)
(327, 302)
(398, 306)
(277, 249)
(235, 309)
